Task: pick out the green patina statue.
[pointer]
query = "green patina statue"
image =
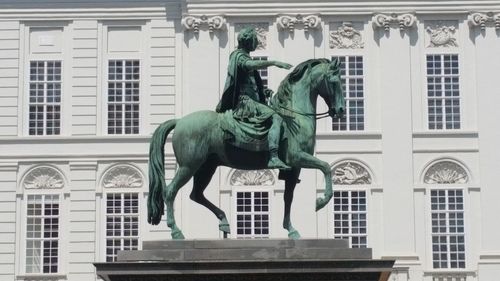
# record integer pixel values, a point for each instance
(247, 134)
(244, 86)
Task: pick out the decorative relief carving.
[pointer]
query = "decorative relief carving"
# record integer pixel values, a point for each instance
(43, 177)
(404, 21)
(351, 173)
(442, 35)
(289, 22)
(481, 19)
(252, 177)
(195, 22)
(445, 172)
(122, 176)
(262, 30)
(346, 37)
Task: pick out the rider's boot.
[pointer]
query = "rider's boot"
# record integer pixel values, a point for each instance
(273, 139)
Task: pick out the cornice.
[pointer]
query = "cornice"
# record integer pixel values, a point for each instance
(272, 8)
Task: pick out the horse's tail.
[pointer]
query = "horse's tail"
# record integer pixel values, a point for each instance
(157, 171)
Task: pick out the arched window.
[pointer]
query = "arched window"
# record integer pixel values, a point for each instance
(42, 189)
(252, 204)
(121, 185)
(350, 203)
(447, 213)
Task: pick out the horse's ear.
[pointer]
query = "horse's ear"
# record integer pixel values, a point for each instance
(335, 66)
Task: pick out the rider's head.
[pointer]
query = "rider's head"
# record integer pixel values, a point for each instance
(247, 39)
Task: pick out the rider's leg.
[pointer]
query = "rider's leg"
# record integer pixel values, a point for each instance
(273, 139)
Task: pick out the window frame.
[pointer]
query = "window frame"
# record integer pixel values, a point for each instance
(441, 53)
(63, 56)
(45, 104)
(367, 188)
(144, 68)
(123, 103)
(104, 216)
(346, 56)
(234, 212)
(21, 228)
(429, 233)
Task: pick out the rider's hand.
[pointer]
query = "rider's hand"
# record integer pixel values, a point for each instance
(283, 65)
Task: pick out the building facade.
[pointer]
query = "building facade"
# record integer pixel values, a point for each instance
(83, 84)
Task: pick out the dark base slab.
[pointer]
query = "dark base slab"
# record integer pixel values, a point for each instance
(246, 260)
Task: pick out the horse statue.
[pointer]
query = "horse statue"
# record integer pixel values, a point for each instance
(199, 145)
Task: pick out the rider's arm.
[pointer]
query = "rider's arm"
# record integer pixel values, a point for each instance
(251, 64)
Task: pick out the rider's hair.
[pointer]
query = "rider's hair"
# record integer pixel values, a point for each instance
(246, 37)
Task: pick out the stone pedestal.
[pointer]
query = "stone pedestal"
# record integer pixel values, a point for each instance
(242, 260)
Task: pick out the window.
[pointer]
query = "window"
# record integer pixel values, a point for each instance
(448, 233)
(45, 98)
(123, 96)
(263, 72)
(351, 70)
(252, 214)
(443, 95)
(42, 234)
(349, 215)
(122, 223)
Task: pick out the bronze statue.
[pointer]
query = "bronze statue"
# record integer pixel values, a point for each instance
(244, 85)
(204, 140)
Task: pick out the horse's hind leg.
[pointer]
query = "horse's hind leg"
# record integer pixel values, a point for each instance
(182, 176)
(201, 180)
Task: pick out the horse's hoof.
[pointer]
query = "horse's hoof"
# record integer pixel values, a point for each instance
(224, 227)
(294, 235)
(320, 203)
(177, 235)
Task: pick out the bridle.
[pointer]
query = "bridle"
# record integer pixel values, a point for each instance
(317, 116)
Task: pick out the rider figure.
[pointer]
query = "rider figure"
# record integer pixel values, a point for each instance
(243, 83)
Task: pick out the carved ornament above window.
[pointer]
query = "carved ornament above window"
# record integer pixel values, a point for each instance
(122, 176)
(253, 177)
(446, 172)
(43, 178)
(349, 173)
(441, 35)
(346, 37)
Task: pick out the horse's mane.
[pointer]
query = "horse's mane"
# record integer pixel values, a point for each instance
(283, 95)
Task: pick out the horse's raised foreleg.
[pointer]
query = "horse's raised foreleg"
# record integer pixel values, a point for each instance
(201, 180)
(305, 160)
(181, 177)
(290, 183)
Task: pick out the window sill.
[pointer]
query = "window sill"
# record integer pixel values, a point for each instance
(349, 134)
(445, 134)
(41, 276)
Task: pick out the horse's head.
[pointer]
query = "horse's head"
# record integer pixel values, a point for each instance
(330, 88)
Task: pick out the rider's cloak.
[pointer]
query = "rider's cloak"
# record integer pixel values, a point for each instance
(235, 75)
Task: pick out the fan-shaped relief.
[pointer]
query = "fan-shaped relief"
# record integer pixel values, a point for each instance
(262, 29)
(252, 177)
(43, 177)
(122, 176)
(348, 173)
(446, 172)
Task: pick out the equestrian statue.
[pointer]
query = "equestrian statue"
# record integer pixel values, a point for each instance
(248, 132)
